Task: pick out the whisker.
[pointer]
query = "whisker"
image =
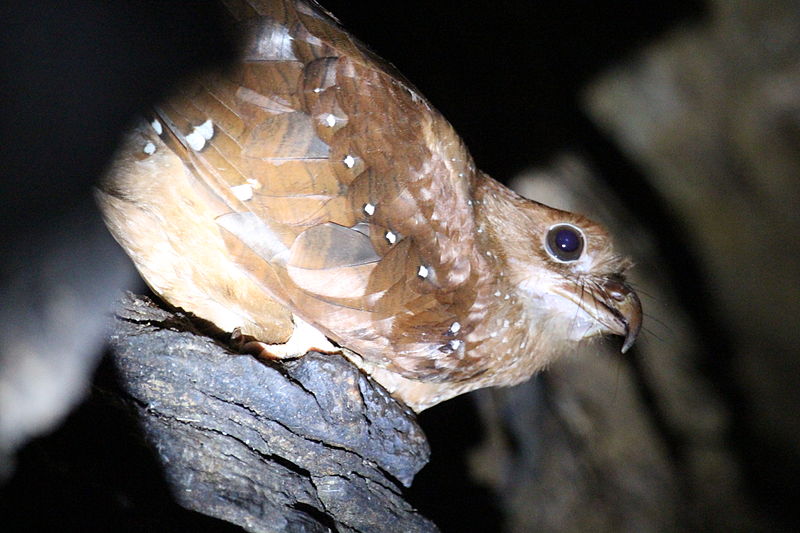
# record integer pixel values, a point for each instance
(582, 285)
(600, 289)
(650, 332)
(618, 373)
(641, 292)
(654, 318)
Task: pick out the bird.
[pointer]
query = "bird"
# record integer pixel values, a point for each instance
(309, 197)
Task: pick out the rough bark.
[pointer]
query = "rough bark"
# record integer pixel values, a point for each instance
(304, 445)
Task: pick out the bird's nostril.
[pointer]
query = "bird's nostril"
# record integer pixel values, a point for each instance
(616, 290)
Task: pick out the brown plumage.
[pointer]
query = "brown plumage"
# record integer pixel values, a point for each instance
(313, 184)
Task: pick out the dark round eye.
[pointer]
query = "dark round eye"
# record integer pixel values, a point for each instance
(564, 242)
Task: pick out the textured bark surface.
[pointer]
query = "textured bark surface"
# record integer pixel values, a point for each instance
(305, 445)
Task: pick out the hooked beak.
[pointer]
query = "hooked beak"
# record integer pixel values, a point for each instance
(624, 305)
(614, 304)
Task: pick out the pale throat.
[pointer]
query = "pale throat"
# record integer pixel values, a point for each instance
(555, 315)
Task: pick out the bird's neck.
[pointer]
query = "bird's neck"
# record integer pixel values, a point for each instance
(512, 331)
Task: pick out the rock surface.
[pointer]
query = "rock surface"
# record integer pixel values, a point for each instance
(306, 445)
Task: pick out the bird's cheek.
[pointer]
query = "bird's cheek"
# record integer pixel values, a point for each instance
(532, 282)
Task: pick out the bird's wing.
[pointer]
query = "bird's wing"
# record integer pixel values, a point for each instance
(338, 187)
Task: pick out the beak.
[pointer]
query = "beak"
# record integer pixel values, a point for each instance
(625, 309)
(612, 303)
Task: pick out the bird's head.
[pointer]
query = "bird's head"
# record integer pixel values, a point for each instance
(566, 270)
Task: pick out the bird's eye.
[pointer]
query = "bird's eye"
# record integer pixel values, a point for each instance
(564, 242)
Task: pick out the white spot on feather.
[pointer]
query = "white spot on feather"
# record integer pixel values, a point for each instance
(455, 344)
(156, 125)
(349, 161)
(330, 120)
(243, 192)
(195, 141)
(200, 134)
(149, 148)
(455, 327)
(391, 237)
(423, 271)
(369, 209)
(206, 129)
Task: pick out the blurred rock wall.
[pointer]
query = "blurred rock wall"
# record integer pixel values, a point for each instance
(697, 429)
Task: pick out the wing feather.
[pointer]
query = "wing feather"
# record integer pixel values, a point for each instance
(348, 196)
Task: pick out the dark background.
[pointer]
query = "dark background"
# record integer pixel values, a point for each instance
(506, 74)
